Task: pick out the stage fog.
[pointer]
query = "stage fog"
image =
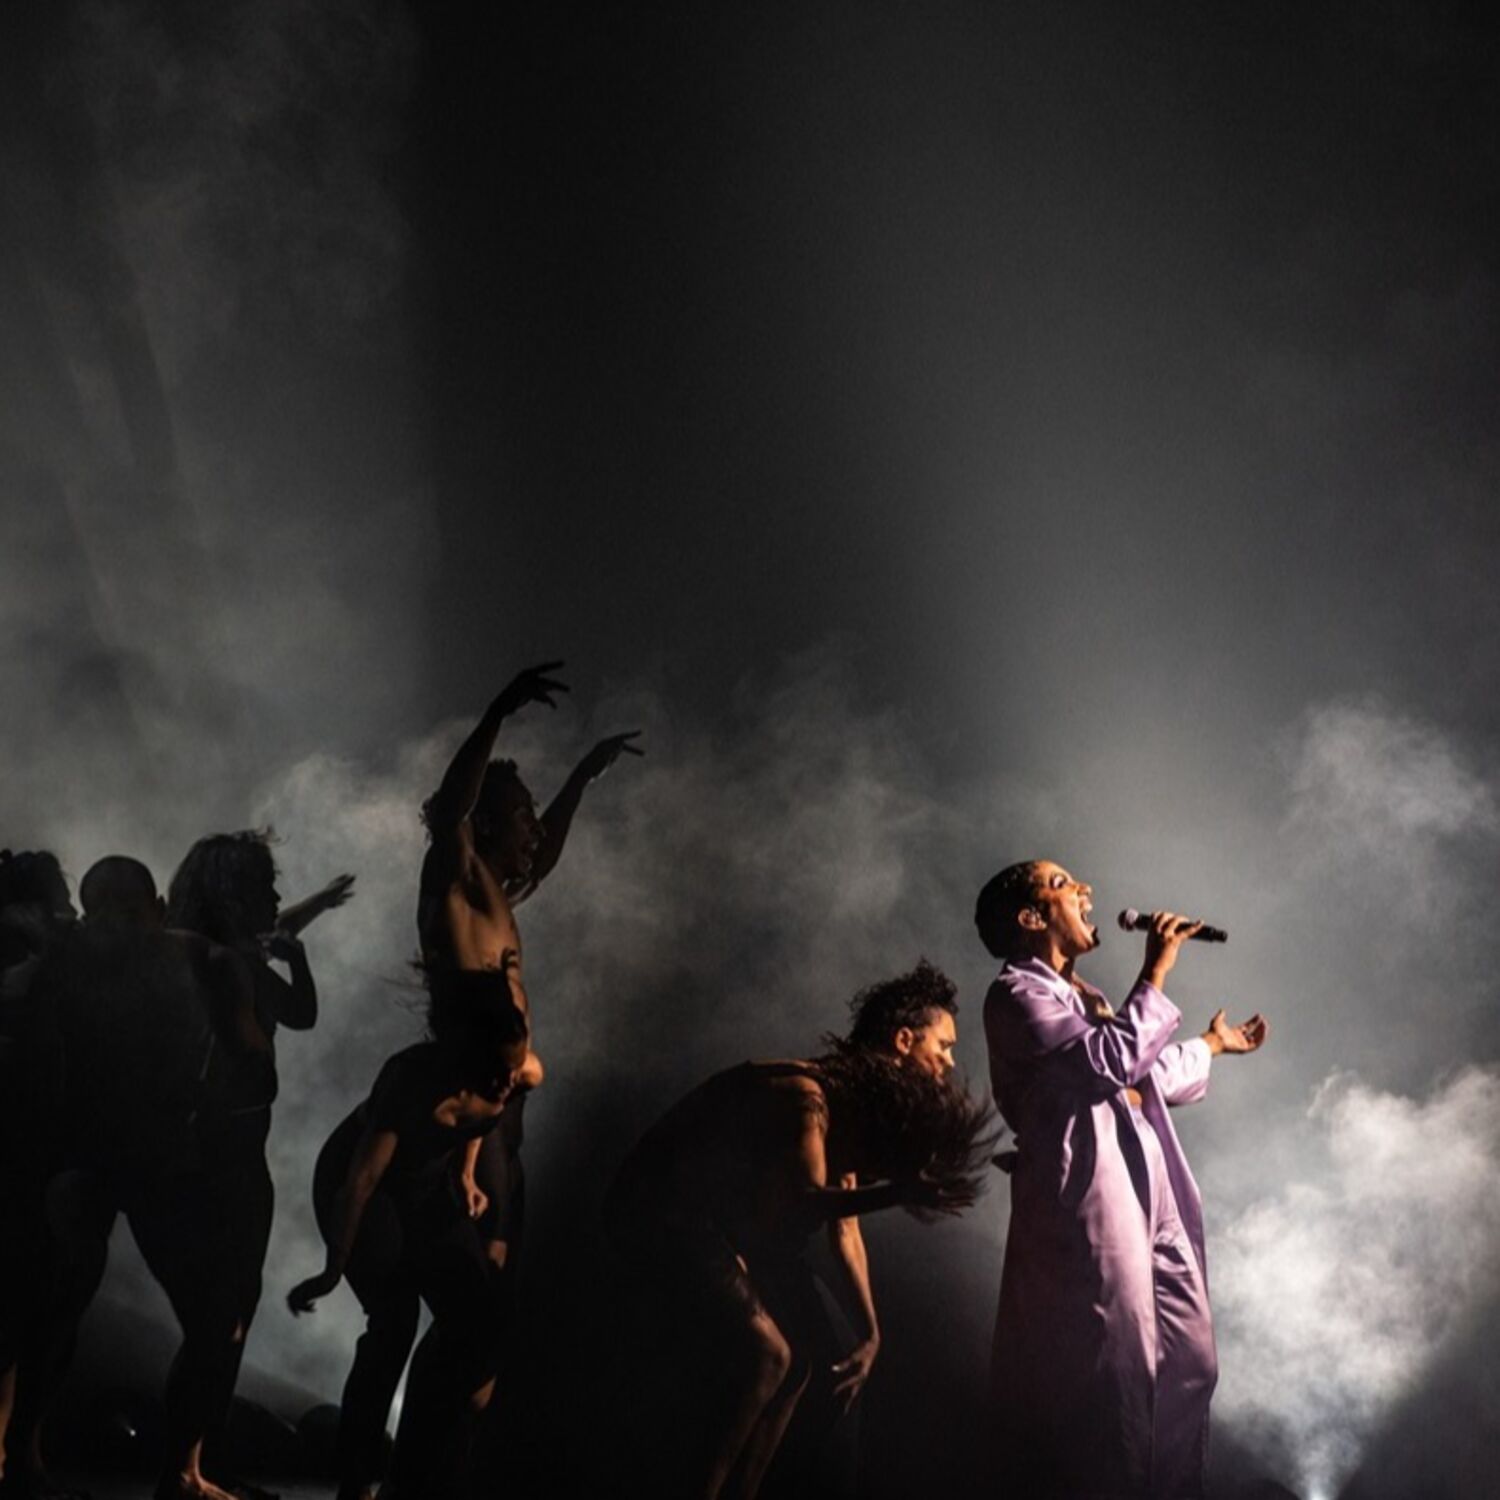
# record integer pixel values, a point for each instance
(950, 435)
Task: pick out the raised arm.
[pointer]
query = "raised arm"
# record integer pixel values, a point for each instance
(1026, 1022)
(558, 818)
(367, 1166)
(459, 789)
(293, 1001)
(297, 916)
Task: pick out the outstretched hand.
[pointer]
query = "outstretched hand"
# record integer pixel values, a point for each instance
(294, 918)
(335, 893)
(1246, 1037)
(938, 1195)
(607, 752)
(304, 1296)
(534, 685)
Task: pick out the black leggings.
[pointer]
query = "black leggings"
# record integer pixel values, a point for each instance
(406, 1253)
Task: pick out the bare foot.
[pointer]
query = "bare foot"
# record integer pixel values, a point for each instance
(190, 1487)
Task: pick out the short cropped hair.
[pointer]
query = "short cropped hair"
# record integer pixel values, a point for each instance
(1004, 897)
(116, 883)
(881, 1010)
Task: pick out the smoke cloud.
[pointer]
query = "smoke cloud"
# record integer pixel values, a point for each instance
(1335, 1296)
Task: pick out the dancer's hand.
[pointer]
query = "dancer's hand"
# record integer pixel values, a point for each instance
(937, 1195)
(1246, 1037)
(282, 945)
(476, 1200)
(850, 1374)
(534, 685)
(294, 918)
(607, 752)
(305, 1294)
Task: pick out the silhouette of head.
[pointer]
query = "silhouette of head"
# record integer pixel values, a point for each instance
(226, 887)
(507, 831)
(118, 891)
(34, 878)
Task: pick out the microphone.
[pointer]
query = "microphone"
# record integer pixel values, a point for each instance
(1134, 921)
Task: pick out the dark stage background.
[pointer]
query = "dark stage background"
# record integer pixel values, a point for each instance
(953, 433)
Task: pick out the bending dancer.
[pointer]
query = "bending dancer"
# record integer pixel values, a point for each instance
(913, 1020)
(489, 852)
(386, 1200)
(1104, 1350)
(711, 1211)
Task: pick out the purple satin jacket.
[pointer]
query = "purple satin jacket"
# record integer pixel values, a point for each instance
(1076, 1336)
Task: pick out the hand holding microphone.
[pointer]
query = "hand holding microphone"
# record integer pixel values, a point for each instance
(1132, 920)
(1166, 932)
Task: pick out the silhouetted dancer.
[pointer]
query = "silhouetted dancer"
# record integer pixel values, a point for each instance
(35, 911)
(1104, 1357)
(225, 890)
(489, 852)
(712, 1211)
(390, 1210)
(129, 1020)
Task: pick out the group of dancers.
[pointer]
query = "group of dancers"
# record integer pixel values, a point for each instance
(138, 1057)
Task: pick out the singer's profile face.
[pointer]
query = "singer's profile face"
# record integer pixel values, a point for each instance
(1064, 905)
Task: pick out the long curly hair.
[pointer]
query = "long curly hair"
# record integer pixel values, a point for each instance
(219, 884)
(908, 1121)
(880, 1010)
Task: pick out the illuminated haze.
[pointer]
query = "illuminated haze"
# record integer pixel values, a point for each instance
(951, 437)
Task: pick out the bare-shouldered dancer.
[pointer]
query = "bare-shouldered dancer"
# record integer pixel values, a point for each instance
(489, 852)
(225, 890)
(712, 1208)
(911, 1019)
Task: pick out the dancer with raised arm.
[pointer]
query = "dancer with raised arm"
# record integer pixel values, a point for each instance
(489, 852)
(1104, 1357)
(712, 1209)
(225, 890)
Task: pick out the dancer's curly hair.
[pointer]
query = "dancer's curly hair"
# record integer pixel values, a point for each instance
(881, 1010)
(908, 1120)
(214, 889)
(498, 774)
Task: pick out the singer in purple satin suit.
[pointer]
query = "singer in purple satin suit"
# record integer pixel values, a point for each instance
(1104, 1351)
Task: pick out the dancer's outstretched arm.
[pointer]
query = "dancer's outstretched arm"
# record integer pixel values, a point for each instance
(558, 818)
(371, 1158)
